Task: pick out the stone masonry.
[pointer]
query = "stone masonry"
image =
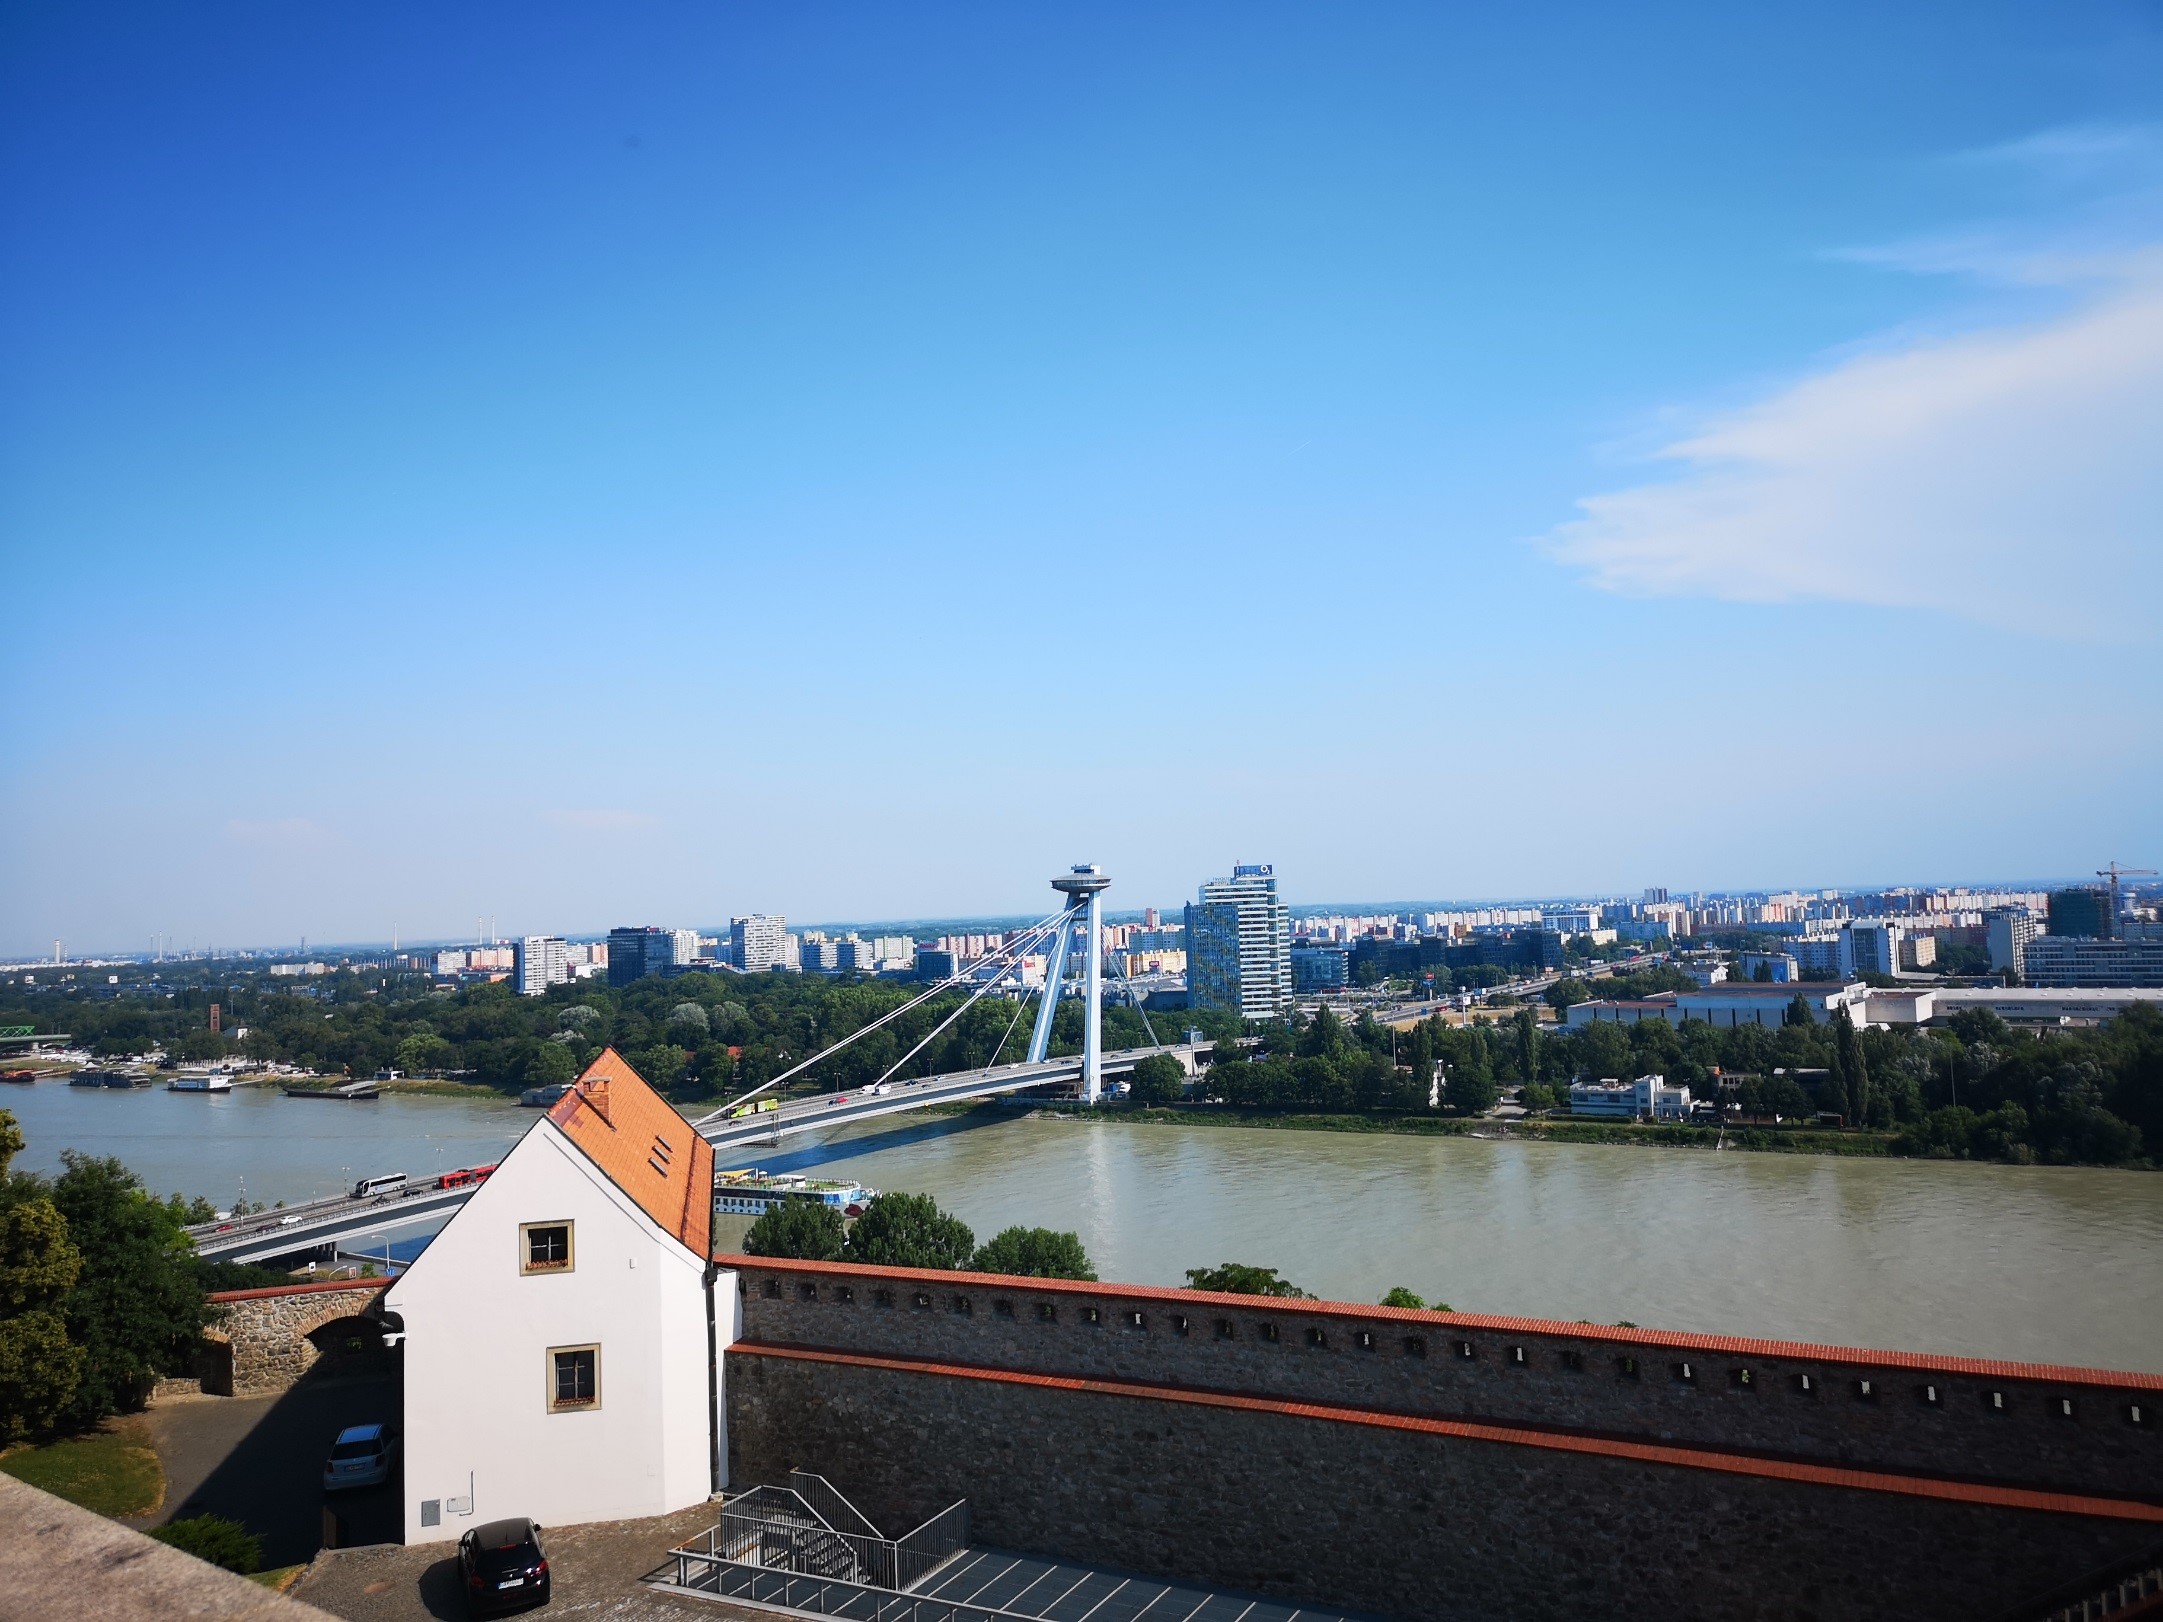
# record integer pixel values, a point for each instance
(1428, 1464)
(259, 1342)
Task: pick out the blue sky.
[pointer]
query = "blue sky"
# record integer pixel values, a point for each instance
(586, 468)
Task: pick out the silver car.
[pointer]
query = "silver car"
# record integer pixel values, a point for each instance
(361, 1457)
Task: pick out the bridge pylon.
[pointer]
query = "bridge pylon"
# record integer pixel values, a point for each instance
(1084, 889)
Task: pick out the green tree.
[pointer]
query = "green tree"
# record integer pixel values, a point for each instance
(1238, 1278)
(1528, 1045)
(215, 1539)
(1159, 1079)
(1399, 1296)
(424, 1051)
(1565, 993)
(1850, 1069)
(804, 1230)
(1035, 1253)
(137, 1308)
(909, 1230)
(551, 1065)
(39, 1368)
(1798, 1011)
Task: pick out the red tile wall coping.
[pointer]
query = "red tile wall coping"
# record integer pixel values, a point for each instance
(303, 1289)
(1861, 1357)
(1744, 1464)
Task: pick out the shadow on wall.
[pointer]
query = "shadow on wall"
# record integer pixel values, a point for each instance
(271, 1480)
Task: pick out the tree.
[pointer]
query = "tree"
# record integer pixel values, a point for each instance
(1564, 993)
(1035, 1253)
(39, 1368)
(1238, 1278)
(803, 1230)
(688, 1021)
(909, 1230)
(1399, 1296)
(1528, 1045)
(1850, 1069)
(1798, 1011)
(137, 1309)
(1159, 1079)
(550, 1065)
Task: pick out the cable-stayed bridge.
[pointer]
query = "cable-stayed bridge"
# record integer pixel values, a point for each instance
(382, 1205)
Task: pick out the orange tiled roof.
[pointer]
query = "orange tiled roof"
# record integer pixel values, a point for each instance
(643, 1146)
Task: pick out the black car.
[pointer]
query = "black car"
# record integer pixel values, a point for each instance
(502, 1568)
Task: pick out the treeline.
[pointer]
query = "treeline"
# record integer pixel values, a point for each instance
(101, 1291)
(694, 1035)
(1974, 1089)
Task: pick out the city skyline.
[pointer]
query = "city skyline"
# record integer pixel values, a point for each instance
(1498, 457)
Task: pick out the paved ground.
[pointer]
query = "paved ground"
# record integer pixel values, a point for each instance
(1061, 1591)
(259, 1461)
(593, 1572)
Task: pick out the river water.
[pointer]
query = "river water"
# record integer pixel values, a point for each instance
(2043, 1264)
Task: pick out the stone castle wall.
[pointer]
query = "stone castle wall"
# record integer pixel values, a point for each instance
(260, 1342)
(1422, 1464)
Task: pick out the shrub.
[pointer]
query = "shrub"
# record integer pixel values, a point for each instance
(803, 1230)
(1036, 1253)
(217, 1540)
(1237, 1278)
(909, 1230)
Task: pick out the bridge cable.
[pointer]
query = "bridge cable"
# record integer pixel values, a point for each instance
(1015, 947)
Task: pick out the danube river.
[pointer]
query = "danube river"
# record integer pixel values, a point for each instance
(2044, 1264)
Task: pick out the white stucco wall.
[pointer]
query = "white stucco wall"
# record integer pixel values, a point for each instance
(477, 1336)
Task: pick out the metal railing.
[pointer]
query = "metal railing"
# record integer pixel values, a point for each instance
(703, 1576)
(826, 1502)
(799, 1531)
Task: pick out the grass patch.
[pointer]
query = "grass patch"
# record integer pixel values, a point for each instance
(107, 1472)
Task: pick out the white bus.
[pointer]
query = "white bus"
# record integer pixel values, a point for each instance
(389, 1183)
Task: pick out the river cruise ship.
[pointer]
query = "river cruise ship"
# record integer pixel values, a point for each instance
(750, 1192)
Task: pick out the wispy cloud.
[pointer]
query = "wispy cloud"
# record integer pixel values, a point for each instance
(2009, 475)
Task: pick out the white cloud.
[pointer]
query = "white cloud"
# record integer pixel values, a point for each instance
(2012, 476)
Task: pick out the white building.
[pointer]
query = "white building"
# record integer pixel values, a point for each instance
(1732, 1002)
(563, 1332)
(1648, 1097)
(2009, 934)
(541, 961)
(759, 942)
(1239, 944)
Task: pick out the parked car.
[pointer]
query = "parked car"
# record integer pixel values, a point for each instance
(361, 1457)
(502, 1568)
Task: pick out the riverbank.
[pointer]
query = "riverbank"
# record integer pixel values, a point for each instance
(1760, 1140)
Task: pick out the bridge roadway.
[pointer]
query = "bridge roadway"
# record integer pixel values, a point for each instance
(323, 1225)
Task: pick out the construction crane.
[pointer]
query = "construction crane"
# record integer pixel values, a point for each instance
(2114, 873)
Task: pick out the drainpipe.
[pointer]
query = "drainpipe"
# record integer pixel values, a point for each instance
(713, 1386)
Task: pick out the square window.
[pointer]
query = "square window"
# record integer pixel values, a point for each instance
(1415, 1346)
(544, 1247)
(1226, 1329)
(1003, 1309)
(882, 1298)
(1315, 1337)
(574, 1379)
(1046, 1311)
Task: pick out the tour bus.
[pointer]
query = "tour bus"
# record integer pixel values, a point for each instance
(389, 1183)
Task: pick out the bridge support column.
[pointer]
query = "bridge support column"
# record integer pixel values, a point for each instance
(1084, 888)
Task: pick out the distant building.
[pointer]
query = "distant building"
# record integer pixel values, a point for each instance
(2009, 934)
(1239, 945)
(1818, 956)
(818, 955)
(1646, 1098)
(634, 953)
(1730, 1003)
(1319, 968)
(937, 963)
(2083, 912)
(541, 961)
(759, 942)
(1780, 967)
(2071, 960)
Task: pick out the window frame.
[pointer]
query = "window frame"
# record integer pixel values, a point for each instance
(527, 1268)
(555, 1405)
